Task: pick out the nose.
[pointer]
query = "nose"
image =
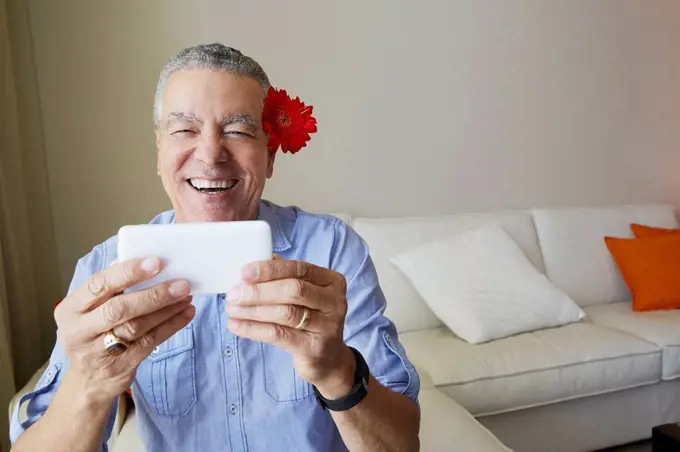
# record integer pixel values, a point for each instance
(210, 149)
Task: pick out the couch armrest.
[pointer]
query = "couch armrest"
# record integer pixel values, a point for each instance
(445, 425)
(128, 439)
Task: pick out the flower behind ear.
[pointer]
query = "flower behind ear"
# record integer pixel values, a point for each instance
(289, 122)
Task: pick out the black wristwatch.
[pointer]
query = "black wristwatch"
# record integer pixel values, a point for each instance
(358, 392)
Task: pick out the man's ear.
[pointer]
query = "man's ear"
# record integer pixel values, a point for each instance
(270, 164)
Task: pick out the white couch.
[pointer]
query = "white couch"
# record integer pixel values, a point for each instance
(602, 382)
(598, 383)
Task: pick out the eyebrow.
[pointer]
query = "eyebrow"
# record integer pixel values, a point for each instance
(178, 116)
(238, 119)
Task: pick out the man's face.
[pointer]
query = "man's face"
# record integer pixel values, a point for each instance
(212, 150)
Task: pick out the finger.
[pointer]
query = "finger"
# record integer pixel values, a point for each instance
(114, 279)
(285, 338)
(123, 308)
(284, 291)
(135, 328)
(287, 315)
(142, 347)
(271, 270)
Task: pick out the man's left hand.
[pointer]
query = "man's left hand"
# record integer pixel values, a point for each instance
(270, 304)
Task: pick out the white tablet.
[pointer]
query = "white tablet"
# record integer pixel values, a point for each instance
(208, 255)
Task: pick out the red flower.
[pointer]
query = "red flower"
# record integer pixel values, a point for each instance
(287, 121)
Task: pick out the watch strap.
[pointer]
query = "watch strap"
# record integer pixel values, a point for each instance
(359, 388)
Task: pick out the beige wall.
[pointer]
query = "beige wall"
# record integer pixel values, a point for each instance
(423, 107)
(27, 243)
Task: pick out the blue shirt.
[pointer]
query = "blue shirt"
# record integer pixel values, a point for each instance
(205, 389)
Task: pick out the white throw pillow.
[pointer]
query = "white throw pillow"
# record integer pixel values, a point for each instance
(482, 286)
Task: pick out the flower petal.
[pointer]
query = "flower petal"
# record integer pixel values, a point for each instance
(288, 122)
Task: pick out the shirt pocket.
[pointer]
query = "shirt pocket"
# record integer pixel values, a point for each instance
(281, 382)
(167, 376)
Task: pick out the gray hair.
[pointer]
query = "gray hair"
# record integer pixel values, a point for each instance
(216, 57)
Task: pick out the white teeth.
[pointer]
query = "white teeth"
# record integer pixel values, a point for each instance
(212, 184)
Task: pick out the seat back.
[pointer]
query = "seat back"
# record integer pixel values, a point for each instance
(576, 257)
(387, 237)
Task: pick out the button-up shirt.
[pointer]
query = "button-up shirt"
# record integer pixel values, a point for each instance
(205, 389)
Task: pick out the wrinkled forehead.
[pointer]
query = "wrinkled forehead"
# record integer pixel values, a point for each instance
(208, 94)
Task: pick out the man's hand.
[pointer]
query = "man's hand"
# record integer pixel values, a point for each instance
(144, 319)
(271, 303)
(268, 307)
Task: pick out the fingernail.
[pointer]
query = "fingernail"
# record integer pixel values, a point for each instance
(234, 293)
(179, 288)
(250, 272)
(151, 264)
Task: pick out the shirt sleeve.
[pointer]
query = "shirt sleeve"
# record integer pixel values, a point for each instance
(366, 327)
(33, 405)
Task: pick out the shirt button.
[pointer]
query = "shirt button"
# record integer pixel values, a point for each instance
(233, 409)
(228, 351)
(156, 350)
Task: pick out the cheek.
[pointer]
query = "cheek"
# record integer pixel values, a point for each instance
(258, 163)
(244, 159)
(258, 170)
(171, 159)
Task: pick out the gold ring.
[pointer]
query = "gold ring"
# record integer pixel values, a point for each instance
(304, 321)
(114, 345)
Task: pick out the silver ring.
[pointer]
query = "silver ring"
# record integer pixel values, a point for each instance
(114, 345)
(304, 321)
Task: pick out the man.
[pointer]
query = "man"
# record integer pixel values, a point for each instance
(266, 367)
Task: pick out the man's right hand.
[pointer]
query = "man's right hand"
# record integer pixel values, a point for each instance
(144, 319)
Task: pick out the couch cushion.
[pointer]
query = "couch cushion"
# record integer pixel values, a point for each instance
(388, 237)
(481, 285)
(651, 269)
(576, 258)
(533, 369)
(658, 327)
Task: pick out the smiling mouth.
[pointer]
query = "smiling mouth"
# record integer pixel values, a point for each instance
(212, 186)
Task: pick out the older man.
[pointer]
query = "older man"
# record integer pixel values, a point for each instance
(299, 357)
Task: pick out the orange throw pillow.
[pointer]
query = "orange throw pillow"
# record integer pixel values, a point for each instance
(642, 231)
(651, 269)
